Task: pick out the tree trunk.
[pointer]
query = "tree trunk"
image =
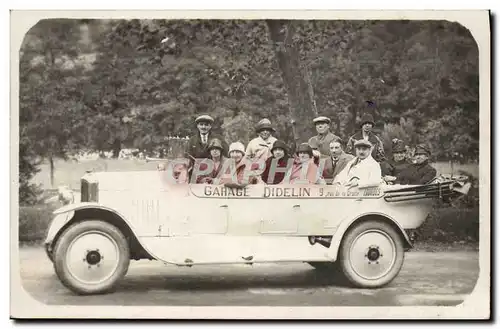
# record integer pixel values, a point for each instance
(294, 78)
(116, 148)
(51, 161)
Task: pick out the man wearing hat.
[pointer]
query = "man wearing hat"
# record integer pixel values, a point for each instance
(321, 142)
(362, 171)
(392, 168)
(420, 172)
(259, 148)
(198, 144)
(367, 134)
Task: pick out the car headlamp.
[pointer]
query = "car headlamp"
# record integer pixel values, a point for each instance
(66, 196)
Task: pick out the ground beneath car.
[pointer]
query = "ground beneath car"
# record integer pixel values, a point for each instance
(427, 278)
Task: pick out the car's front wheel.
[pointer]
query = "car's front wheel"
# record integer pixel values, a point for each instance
(91, 256)
(371, 254)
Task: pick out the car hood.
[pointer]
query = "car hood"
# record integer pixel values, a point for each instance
(130, 180)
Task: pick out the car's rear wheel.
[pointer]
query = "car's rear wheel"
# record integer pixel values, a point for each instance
(91, 256)
(371, 254)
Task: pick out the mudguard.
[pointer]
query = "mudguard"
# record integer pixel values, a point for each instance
(64, 214)
(346, 224)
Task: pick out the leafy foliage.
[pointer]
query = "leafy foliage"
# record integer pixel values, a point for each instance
(108, 84)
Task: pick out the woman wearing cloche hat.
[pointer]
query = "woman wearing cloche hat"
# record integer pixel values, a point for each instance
(274, 172)
(304, 170)
(366, 133)
(259, 148)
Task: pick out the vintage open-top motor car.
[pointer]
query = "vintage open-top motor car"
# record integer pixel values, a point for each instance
(361, 233)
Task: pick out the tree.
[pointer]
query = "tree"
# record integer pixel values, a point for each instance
(48, 86)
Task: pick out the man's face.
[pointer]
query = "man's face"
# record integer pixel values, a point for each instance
(367, 127)
(322, 127)
(420, 158)
(204, 127)
(335, 148)
(215, 153)
(278, 153)
(304, 156)
(236, 156)
(362, 152)
(399, 156)
(265, 134)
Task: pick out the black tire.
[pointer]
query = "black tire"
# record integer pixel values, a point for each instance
(109, 231)
(395, 259)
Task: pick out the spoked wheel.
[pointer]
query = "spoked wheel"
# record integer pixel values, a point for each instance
(91, 257)
(371, 254)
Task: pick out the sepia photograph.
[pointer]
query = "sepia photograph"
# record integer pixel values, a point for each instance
(302, 165)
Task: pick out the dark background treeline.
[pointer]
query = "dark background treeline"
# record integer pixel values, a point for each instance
(108, 84)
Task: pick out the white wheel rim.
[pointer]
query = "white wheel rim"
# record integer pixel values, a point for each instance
(92, 257)
(372, 254)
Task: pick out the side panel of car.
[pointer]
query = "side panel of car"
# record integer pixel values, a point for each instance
(211, 249)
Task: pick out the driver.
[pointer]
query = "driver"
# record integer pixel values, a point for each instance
(363, 170)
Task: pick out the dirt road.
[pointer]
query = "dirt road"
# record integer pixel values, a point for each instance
(427, 278)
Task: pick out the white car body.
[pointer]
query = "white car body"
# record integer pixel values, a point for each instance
(191, 224)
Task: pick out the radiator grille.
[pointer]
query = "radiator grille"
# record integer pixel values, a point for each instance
(89, 191)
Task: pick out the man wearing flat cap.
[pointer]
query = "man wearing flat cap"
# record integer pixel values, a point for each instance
(362, 171)
(321, 142)
(420, 172)
(260, 147)
(367, 134)
(199, 143)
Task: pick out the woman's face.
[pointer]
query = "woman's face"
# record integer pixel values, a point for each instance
(304, 156)
(215, 153)
(367, 127)
(236, 156)
(278, 153)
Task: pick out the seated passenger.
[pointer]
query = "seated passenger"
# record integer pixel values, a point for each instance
(237, 171)
(181, 174)
(420, 172)
(304, 170)
(259, 148)
(277, 164)
(363, 170)
(391, 169)
(215, 148)
(336, 162)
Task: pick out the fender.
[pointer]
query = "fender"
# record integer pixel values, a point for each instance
(345, 225)
(65, 214)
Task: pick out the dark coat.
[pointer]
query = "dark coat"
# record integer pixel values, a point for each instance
(208, 178)
(278, 176)
(199, 151)
(329, 171)
(393, 168)
(378, 152)
(416, 174)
